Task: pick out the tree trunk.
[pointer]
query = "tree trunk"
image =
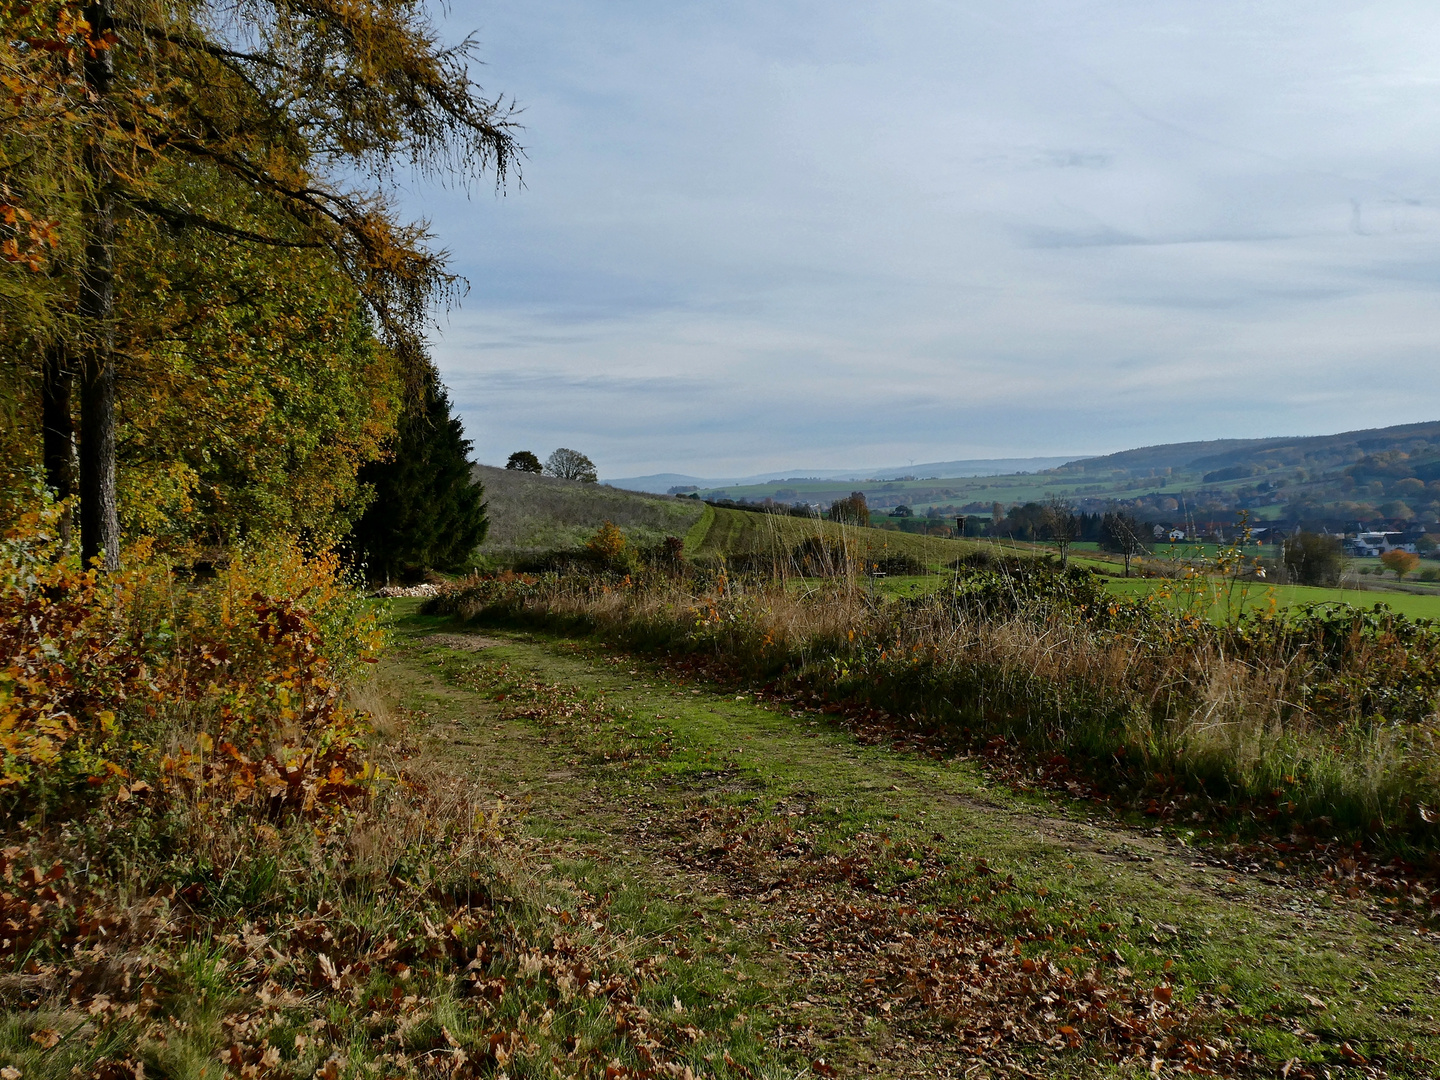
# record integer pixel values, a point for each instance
(99, 511)
(59, 430)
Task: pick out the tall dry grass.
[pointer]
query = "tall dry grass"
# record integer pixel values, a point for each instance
(1325, 721)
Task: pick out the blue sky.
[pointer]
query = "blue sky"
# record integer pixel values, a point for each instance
(764, 235)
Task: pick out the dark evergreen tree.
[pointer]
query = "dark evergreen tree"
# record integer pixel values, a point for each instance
(524, 461)
(428, 512)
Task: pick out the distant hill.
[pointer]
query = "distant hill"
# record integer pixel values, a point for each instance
(1324, 452)
(660, 483)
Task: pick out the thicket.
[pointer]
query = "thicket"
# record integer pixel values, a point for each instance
(216, 864)
(1321, 719)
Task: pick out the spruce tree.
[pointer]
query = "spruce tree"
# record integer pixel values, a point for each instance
(428, 512)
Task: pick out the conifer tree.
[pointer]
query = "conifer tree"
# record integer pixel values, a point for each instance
(428, 512)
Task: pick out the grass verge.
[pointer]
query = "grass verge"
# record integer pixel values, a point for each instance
(903, 915)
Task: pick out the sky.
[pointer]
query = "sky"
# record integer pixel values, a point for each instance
(755, 236)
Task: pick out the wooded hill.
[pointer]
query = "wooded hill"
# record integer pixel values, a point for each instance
(1316, 452)
(1380, 475)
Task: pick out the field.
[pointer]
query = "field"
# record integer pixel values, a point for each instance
(1259, 597)
(530, 513)
(732, 532)
(978, 493)
(870, 899)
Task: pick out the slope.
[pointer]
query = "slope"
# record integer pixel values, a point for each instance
(530, 513)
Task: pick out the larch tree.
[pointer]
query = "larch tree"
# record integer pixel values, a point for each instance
(304, 106)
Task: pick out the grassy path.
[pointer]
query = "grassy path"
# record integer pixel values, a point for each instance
(869, 910)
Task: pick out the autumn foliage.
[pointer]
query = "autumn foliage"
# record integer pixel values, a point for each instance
(138, 683)
(1321, 719)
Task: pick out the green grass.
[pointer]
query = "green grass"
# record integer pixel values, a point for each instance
(1260, 597)
(622, 802)
(530, 513)
(734, 532)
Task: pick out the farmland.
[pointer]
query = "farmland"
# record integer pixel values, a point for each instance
(1384, 475)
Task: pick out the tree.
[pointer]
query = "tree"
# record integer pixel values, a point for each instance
(852, 510)
(428, 512)
(255, 390)
(300, 106)
(524, 461)
(571, 465)
(1312, 558)
(1061, 525)
(902, 511)
(1400, 561)
(1121, 533)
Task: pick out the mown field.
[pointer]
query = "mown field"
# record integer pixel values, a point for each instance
(735, 532)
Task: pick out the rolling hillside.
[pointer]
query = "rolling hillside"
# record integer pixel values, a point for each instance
(1322, 452)
(1380, 476)
(530, 513)
(740, 532)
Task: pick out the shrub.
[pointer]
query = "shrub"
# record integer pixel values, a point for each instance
(1313, 558)
(851, 510)
(137, 680)
(668, 554)
(894, 563)
(608, 542)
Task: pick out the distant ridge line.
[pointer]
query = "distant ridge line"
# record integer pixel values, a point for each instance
(659, 483)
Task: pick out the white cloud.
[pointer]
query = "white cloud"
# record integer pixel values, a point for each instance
(759, 235)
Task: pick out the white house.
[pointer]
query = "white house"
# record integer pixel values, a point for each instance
(1374, 544)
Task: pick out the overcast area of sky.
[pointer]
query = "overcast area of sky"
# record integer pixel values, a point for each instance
(759, 236)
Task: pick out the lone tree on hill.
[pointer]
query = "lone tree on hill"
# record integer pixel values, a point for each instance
(524, 461)
(571, 465)
(1402, 562)
(1121, 533)
(428, 512)
(1062, 526)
